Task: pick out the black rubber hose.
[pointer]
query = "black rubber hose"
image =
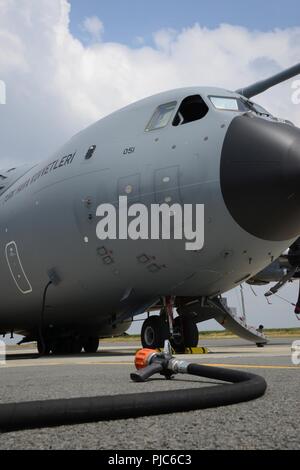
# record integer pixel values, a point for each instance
(37, 414)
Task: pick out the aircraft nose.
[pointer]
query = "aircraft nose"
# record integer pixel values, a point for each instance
(260, 177)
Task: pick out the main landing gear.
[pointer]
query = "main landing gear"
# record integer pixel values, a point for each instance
(68, 345)
(181, 331)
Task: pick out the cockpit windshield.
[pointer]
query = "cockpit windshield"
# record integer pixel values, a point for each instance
(228, 103)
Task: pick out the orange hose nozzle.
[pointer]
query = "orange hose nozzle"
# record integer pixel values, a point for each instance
(143, 357)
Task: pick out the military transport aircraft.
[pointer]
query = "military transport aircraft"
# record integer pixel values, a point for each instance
(64, 286)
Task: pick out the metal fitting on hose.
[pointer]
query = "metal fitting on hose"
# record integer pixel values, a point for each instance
(178, 367)
(149, 362)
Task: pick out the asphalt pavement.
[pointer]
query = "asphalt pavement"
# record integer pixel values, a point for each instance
(270, 422)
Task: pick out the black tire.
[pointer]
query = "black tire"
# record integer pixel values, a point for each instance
(66, 346)
(77, 345)
(91, 345)
(61, 346)
(43, 347)
(154, 332)
(186, 334)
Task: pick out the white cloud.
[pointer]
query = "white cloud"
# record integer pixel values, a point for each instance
(94, 26)
(56, 85)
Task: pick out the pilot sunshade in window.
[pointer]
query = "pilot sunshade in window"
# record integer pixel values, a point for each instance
(161, 116)
(259, 109)
(228, 104)
(191, 109)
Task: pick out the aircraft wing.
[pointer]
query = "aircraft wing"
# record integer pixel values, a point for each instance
(8, 176)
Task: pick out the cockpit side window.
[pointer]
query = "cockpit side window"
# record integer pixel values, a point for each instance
(191, 109)
(161, 116)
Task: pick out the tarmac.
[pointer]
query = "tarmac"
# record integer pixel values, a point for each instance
(270, 422)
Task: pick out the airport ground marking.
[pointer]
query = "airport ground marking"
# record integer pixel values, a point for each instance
(120, 363)
(252, 366)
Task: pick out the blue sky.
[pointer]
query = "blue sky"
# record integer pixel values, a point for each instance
(124, 21)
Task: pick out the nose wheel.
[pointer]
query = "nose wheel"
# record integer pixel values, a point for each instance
(185, 334)
(154, 332)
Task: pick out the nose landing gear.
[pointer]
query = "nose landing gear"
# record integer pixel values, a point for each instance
(181, 331)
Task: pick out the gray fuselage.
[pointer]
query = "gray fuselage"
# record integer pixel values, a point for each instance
(48, 222)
